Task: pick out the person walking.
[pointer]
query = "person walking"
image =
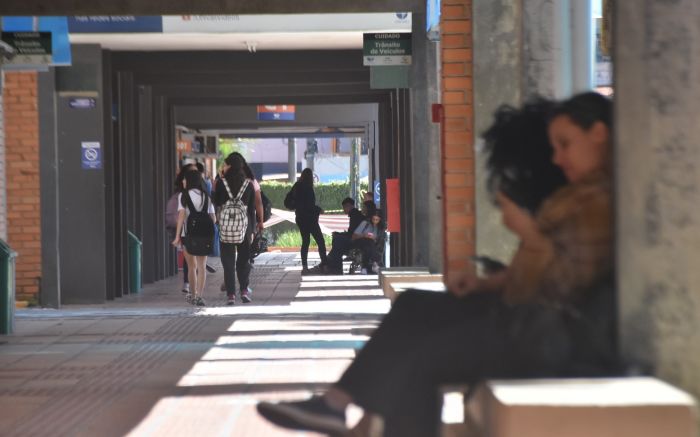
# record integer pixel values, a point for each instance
(307, 213)
(195, 230)
(235, 195)
(171, 215)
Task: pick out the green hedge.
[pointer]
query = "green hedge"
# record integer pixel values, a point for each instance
(328, 196)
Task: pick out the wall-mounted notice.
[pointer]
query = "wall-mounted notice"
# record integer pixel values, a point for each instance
(91, 155)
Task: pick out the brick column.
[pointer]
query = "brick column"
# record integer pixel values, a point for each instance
(22, 174)
(457, 100)
(3, 193)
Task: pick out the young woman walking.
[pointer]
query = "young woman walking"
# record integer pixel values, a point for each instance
(193, 234)
(307, 213)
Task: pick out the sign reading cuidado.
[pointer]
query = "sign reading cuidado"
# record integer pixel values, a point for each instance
(386, 49)
(31, 47)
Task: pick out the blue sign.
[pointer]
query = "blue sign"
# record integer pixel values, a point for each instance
(91, 155)
(115, 24)
(377, 193)
(58, 26)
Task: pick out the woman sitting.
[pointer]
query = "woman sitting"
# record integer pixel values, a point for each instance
(367, 238)
(523, 322)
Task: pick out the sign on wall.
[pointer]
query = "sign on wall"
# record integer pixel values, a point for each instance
(386, 49)
(91, 155)
(30, 47)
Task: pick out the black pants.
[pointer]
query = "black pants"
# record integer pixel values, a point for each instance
(429, 339)
(308, 226)
(369, 251)
(233, 266)
(341, 245)
(185, 271)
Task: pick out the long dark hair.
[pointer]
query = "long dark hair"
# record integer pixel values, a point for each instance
(194, 182)
(235, 175)
(585, 110)
(181, 175)
(519, 155)
(307, 177)
(246, 168)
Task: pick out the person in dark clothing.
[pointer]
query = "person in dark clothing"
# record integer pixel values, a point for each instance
(342, 240)
(307, 213)
(235, 177)
(368, 208)
(365, 237)
(532, 320)
(179, 189)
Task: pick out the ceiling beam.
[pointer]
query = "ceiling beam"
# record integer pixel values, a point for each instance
(216, 7)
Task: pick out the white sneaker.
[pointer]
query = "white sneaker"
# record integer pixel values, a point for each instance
(186, 287)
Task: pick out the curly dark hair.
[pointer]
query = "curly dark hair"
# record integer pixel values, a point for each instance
(519, 154)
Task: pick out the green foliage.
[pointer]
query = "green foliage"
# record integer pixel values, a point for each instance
(293, 239)
(328, 196)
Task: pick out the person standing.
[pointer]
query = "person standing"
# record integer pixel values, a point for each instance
(307, 213)
(171, 215)
(235, 187)
(195, 230)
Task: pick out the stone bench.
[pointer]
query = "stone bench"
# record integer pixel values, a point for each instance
(604, 407)
(393, 282)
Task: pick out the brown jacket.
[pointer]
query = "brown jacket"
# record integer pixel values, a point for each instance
(577, 223)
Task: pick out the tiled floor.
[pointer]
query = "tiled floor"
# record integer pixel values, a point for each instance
(150, 365)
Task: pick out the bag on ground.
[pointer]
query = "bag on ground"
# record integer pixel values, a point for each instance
(200, 228)
(233, 221)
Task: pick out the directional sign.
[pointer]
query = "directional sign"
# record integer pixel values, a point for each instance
(91, 155)
(276, 112)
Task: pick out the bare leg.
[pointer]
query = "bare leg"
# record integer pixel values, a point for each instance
(201, 274)
(191, 271)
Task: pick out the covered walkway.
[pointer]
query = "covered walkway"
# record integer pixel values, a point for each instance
(151, 365)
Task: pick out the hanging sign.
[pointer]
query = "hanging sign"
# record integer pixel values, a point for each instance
(30, 47)
(386, 49)
(276, 112)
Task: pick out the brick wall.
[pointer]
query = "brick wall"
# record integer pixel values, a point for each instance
(22, 179)
(457, 100)
(3, 194)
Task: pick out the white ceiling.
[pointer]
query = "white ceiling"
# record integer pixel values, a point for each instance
(222, 41)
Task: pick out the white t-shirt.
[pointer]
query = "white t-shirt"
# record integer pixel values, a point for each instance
(197, 201)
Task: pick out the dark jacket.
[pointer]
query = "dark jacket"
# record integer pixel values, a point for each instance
(235, 182)
(305, 200)
(356, 217)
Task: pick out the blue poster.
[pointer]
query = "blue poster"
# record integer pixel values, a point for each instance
(58, 26)
(91, 155)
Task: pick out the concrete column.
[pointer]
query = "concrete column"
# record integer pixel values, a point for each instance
(582, 47)
(292, 159)
(657, 171)
(498, 51)
(3, 191)
(427, 178)
(547, 50)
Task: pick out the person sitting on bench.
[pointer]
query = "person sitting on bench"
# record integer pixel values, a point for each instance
(342, 240)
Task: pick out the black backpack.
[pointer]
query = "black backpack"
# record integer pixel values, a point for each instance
(199, 239)
(267, 207)
(290, 201)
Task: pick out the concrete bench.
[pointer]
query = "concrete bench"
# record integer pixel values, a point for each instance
(393, 285)
(605, 407)
(401, 271)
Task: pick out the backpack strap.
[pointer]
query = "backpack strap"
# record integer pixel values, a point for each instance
(190, 204)
(240, 192)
